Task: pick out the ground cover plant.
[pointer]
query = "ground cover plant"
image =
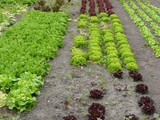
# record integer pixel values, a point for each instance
(17, 1)
(28, 55)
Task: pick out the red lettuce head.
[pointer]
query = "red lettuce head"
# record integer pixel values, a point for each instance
(96, 110)
(118, 74)
(70, 117)
(148, 109)
(141, 88)
(145, 101)
(135, 75)
(97, 94)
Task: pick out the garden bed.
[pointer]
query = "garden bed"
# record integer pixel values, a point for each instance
(66, 88)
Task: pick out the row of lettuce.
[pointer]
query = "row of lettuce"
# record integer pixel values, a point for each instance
(146, 17)
(25, 51)
(29, 2)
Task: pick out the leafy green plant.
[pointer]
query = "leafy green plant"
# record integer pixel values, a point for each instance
(3, 98)
(156, 116)
(107, 31)
(77, 51)
(127, 54)
(96, 57)
(124, 46)
(129, 60)
(113, 16)
(80, 42)
(110, 44)
(25, 51)
(124, 49)
(21, 96)
(120, 37)
(20, 100)
(110, 49)
(94, 49)
(17, 1)
(78, 60)
(112, 55)
(82, 24)
(94, 19)
(94, 32)
(118, 29)
(101, 15)
(115, 66)
(30, 82)
(116, 24)
(83, 16)
(104, 19)
(108, 39)
(122, 42)
(116, 21)
(132, 66)
(113, 60)
(6, 83)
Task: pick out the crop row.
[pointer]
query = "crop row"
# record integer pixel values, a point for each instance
(113, 62)
(145, 31)
(79, 57)
(83, 7)
(116, 47)
(128, 58)
(26, 48)
(17, 1)
(124, 48)
(147, 18)
(154, 16)
(149, 11)
(156, 9)
(116, 38)
(94, 49)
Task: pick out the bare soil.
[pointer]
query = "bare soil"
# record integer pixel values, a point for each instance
(67, 87)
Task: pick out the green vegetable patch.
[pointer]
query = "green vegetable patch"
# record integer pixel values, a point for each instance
(25, 50)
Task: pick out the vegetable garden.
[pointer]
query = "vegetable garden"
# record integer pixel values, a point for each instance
(79, 60)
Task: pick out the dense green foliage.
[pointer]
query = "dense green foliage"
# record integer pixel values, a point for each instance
(31, 42)
(23, 92)
(17, 1)
(25, 50)
(79, 58)
(94, 48)
(80, 41)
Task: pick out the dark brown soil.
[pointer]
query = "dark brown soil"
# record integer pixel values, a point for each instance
(66, 88)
